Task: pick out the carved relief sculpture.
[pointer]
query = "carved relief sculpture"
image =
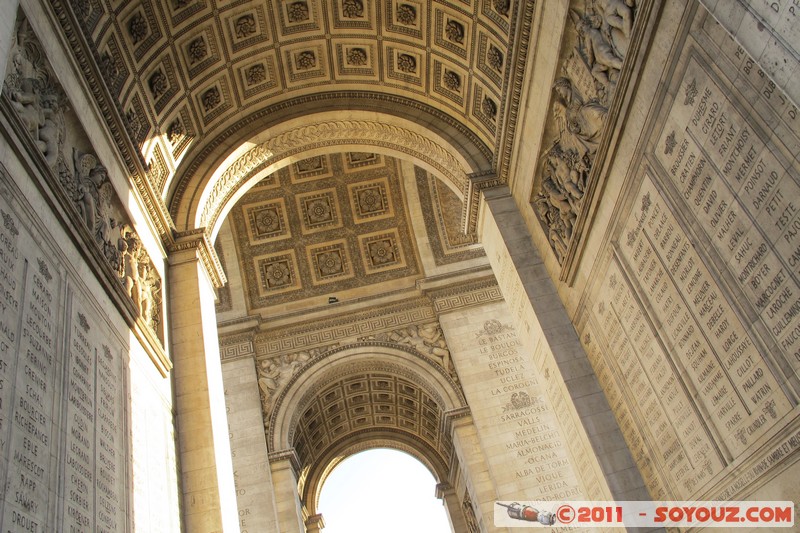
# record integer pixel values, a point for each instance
(580, 99)
(427, 339)
(42, 107)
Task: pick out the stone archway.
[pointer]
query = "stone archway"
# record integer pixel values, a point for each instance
(358, 397)
(204, 201)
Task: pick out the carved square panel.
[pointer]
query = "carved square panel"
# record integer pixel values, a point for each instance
(330, 262)
(319, 211)
(491, 59)
(370, 201)
(499, 12)
(306, 61)
(183, 10)
(485, 107)
(404, 65)
(214, 99)
(298, 16)
(200, 50)
(247, 28)
(406, 17)
(266, 221)
(356, 58)
(311, 168)
(452, 32)
(353, 14)
(357, 160)
(141, 29)
(179, 131)
(451, 82)
(162, 83)
(257, 77)
(277, 273)
(381, 251)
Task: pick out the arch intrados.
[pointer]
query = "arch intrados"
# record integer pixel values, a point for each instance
(318, 475)
(210, 195)
(339, 362)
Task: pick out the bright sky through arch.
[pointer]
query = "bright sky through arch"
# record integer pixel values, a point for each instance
(382, 490)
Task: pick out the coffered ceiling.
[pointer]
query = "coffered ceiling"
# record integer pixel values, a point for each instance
(193, 78)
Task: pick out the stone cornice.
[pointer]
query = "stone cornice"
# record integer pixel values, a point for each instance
(197, 240)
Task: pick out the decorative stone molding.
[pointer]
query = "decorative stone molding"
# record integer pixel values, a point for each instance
(285, 455)
(198, 241)
(478, 292)
(343, 132)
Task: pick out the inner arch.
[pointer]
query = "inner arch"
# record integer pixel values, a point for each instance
(366, 488)
(203, 200)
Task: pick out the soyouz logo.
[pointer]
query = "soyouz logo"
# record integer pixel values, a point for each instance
(645, 514)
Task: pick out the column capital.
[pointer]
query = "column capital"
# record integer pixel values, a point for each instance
(315, 523)
(455, 417)
(195, 244)
(442, 489)
(286, 455)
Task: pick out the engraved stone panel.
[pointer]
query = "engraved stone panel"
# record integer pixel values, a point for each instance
(62, 390)
(743, 194)
(694, 325)
(30, 366)
(523, 442)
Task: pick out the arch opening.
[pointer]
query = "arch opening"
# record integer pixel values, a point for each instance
(383, 486)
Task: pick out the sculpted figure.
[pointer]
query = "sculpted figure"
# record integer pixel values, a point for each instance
(51, 132)
(597, 50)
(131, 250)
(617, 23)
(88, 179)
(432, 336)
(556, 231)
(583, 121)
(274, 373)
(26, 102)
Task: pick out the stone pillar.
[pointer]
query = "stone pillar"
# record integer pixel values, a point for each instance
(209, 499)
(595, 443)
(254, 493)
(451, 501)
(475, 483)
(284, 466)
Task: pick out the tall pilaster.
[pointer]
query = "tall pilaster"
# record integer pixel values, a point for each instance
(595, 443)
(475, 492)
(209, 498)
(284, 465)
(254, 492)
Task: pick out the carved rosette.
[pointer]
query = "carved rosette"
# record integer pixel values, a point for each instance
(589, 73)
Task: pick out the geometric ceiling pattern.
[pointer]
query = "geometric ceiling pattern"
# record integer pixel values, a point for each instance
(183, 70)
(367, 400)
(323, 225)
